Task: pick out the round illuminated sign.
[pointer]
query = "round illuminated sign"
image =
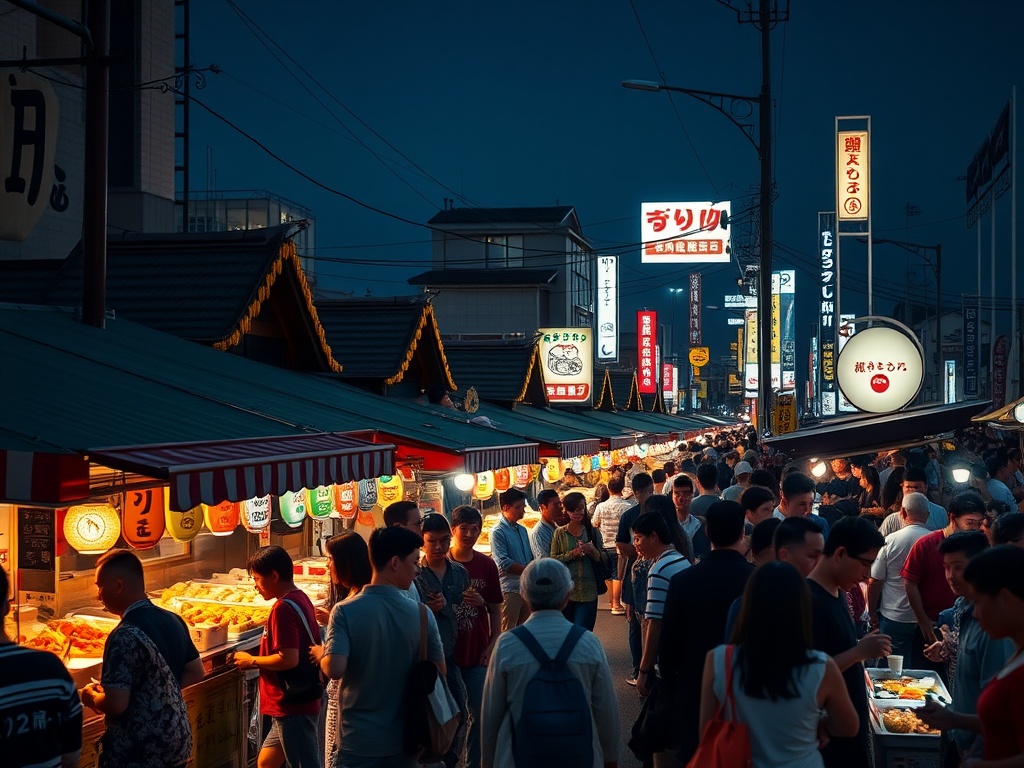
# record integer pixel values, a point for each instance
(92, 529)
(880, 370)
(699, 356)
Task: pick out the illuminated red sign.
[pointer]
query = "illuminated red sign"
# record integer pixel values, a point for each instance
(646, 343)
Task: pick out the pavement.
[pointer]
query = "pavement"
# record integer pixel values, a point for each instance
(611, 631)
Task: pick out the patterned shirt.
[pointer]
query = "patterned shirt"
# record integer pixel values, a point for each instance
(154, 731)
(451, 585)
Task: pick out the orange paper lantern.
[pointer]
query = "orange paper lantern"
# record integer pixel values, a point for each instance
(346, 496)
(502, 479)
(142, 518)
(222, 519)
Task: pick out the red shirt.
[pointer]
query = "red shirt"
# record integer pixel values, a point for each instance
(285, 630)
(1001, 711)
(474, 622)
(924, 568)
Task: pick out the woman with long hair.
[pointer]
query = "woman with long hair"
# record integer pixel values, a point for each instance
(892, 491)
(578, 544)
(777, 676)
(348, 564)
(871, 493)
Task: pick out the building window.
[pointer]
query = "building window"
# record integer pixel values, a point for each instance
(503, 251)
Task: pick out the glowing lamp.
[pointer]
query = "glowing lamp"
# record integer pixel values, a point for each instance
(92, 529)
(818, 467)
(142, 518)
(464, 482)
(1018, 412)
(522, 475)
(552, 470)
(502, 479)
(962, 474)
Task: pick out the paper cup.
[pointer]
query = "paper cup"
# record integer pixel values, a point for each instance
(895, 665)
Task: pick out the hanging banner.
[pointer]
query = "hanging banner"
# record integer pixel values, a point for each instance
(483, 488)
(685, 233)
(776, 351)
(668, 393)
(256, 514)
(852, 174)
(844, 333)
(999, 373)
(345, 497)
(750, 362)
(646, 342)
(142, 521)
(787, 315)
(827, 311)
(293, 507)
(567, 364)
(523, 476)
(693, 326)
(971, 344)
(607, 309)
(222, 519)
(389, 490)
(184, 526)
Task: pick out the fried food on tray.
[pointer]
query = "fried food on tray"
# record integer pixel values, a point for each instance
(905, 721)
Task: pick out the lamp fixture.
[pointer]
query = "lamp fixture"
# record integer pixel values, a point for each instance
(464, 482)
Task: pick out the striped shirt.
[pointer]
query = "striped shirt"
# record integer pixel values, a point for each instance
(665, 567)
(40, 712)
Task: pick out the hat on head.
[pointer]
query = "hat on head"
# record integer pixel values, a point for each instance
(711, 452)
(750, 457)
(546, 579)
(742, 468)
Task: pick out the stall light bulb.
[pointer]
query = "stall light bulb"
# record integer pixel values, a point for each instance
(961, 474)
(464, 482)
(818, 469)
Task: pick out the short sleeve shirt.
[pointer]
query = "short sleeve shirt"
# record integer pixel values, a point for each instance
(285, 630)
(924, 568)
(451, 585)
(474, 621)
(661, 573)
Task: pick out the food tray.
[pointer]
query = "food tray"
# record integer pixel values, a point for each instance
(246, 634)
(207, 636)
(936, 689)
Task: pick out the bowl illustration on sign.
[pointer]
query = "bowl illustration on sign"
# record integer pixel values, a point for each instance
(565, 360)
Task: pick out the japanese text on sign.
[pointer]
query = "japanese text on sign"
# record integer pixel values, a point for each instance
(567, 364)
(685, 232)
(971, 347)
(827, 309)
(852, 175)
(607, 309)
(647, 334)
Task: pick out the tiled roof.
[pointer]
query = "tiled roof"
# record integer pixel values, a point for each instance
(376, 338)
(500, 372)
(206, 288)
(495, 276)
(499, 217)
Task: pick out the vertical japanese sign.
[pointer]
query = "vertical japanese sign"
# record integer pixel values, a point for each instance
(29, 117)
(646, 341)
(750, 357)
(693, 322)
(776, 350)
(949, 388)
(739, 348)
(971, 333)
(668, 392)
(567, 356)
(999, 372)
(787, 302)
(845, 331)
(852, 175)
(827, 311)
(608, 309)
(685, 233)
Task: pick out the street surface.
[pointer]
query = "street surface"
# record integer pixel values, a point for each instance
(611, 631)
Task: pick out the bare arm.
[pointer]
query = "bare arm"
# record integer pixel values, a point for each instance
(842, 720)
(193, 673)
(708, 701)
(917, 606)
(873, 596)
(109, 701)
(652, 634)
(334, 665)
(279, 661)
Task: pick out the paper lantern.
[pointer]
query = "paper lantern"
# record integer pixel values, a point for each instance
(534, 472)
(577, 465)
(552, 471)
(293, 507)
(222, 519)
(390, 489)
(605, 457)
(321, 502)
(464, 482)
(182, 526)
(595, 462)
(484, 487)
(522, 476)
(256, 514)
(345, 497)
(142, 518)
(367, 494)
(502, 479)
(92, 529)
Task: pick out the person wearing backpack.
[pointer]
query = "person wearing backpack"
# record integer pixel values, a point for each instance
(548, 699)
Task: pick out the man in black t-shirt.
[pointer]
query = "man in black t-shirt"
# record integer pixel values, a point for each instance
(850, 550)
(643, 489)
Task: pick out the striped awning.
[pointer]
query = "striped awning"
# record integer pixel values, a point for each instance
(34, 477)
(236, 470)
(483, 459)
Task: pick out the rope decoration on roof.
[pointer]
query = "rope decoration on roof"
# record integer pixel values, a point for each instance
(426, 315)
(285, 252)
(534, 357)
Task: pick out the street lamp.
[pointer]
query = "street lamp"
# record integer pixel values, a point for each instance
(738, 109)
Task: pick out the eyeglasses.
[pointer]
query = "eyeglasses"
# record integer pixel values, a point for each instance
(863, 560)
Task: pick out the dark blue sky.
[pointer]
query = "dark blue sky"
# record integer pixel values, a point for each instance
(520, 104)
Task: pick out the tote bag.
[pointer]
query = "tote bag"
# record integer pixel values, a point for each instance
(725, 743)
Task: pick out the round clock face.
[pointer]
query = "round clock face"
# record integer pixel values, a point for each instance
(91, 527)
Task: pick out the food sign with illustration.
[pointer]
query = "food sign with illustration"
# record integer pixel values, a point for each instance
(567, 364)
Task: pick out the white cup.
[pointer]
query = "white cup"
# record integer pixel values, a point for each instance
(895, 665)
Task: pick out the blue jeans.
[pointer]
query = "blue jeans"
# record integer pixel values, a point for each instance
(582, 614)
(474, 677)
(902, 634)
(295, 735)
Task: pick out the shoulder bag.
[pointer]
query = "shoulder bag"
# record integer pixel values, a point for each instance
(602, 573)
(301, 684)
(725, 743)
(431, 712)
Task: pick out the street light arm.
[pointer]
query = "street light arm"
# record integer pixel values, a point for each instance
(915, 248)
(716, 99)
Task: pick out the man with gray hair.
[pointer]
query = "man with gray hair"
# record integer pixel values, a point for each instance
(545, 585)
(888, 605)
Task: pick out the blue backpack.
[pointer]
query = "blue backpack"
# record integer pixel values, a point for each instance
(555, 729)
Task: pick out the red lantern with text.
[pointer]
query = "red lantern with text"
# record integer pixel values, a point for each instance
(142, 518)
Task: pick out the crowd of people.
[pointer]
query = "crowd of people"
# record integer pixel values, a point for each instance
(751, 589)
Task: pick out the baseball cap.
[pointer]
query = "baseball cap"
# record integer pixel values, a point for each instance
(711, 452)
(742, 468)
(749, 457)
(545, 578)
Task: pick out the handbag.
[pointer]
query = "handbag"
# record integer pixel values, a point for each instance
(724, 743)
(655, 726)
(301, 684)
(602, 573)
(431, 713)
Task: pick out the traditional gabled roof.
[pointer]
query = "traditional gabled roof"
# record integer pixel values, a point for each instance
(509, 218)
(501, 372)
(625, 391)
(378, 338)
(497, 277)
(208, 288)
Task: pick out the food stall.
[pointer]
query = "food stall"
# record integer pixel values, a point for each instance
(899, 737)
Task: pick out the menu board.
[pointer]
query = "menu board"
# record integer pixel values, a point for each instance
(37, 539)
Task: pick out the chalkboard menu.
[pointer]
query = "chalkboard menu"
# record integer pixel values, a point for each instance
(37, 539)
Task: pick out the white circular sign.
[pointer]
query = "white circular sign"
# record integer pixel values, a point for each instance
(880, 370)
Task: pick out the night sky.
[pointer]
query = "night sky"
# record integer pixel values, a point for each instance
(403, 104)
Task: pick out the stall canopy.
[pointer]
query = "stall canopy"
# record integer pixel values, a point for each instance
(1002, 418)
(564, 442)
(504, 372)
(866, 434)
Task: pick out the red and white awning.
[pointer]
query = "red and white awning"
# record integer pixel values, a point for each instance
(32, 477)
(236, 470)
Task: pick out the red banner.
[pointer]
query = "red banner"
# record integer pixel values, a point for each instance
(646, 343)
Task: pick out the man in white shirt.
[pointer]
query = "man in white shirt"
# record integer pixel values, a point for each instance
(606, 517)
(888, 606)
(741, 474)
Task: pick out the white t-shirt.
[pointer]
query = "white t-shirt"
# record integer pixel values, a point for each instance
(893, 603)
(665, 567)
